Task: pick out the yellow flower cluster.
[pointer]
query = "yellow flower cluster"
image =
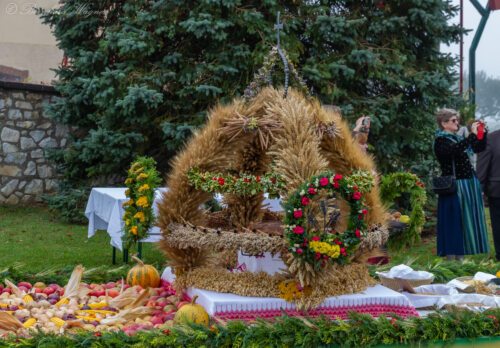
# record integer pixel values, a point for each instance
(289, 290)
(332, 251)
(142, 202)
(142, 176)
(143, 188)
(140, 215)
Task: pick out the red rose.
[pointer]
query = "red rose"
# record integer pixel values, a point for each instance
(355, 188)
(325, 257)
(304, 200)
(364, 211)
(323, 181)
(336, 184)
(342, 251)
(338, 242)
(257, 178)
(298, 230)
(358, 233)
(360, 217)
(246, 180)
(221, 181)
(311, 190)
(356, 196)
(317, 256)
(297, 214)
(337, 177)
(299, 251)
(316, 238)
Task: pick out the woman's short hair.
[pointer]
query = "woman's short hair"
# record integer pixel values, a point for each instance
(444, 115)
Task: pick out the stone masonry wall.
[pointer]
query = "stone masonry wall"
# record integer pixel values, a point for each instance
(25, 135)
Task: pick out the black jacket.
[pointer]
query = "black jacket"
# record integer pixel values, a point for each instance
(447, 150)
(488, 166)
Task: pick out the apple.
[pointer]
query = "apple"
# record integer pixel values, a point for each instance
(48, 290)
(39, 285)
(110, 285)
(25, 284)
(113, 293)
(7, 290)
(23, 289)
(156, 320)
(37, 290)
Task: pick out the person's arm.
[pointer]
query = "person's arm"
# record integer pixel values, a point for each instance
(483, 166)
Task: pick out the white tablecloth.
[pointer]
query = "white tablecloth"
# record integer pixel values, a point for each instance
(105, 212)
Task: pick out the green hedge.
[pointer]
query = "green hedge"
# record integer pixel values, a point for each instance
(360, 331)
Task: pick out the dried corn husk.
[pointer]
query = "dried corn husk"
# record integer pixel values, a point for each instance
(127, 315)
(15, 289)
(125, 298)
(72, 288)
(141, 299)
(9, 322)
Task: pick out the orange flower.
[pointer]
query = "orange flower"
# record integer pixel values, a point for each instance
(140, 215)
(143, 202)
(133, 230)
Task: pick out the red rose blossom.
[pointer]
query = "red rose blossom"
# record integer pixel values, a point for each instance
(221, 181)
(304, 200)
(358, 233)
(364, 211)
(311, 190)
(317, 256)
(356, 195)
(299, 251)
(336, 184)
(337, 177)
(323, 181)
(298, 230)
(257, 178)
(297, 214)
(342, 251)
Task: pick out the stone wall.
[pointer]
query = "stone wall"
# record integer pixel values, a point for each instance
(25, 136)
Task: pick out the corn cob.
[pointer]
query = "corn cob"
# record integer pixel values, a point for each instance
(4, 305)
(29, 323)
(27, 299)
(88, 318)
(98, 305)
(58, 321)
(62, 301)
(94, 311)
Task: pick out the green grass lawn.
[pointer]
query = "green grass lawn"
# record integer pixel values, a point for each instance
(33, 237)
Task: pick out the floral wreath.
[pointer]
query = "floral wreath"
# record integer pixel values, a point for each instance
(141, 183)
(316, 247)
(244, 184)
(391, 187)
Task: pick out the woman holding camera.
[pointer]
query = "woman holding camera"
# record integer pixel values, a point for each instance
(461, 227)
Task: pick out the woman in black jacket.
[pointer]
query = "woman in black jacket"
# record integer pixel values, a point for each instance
(461, 228)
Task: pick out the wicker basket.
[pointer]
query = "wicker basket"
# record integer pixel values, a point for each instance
(398, 284)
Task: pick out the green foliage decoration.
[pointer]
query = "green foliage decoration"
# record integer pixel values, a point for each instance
(141, 75)
(392, 186)
(360, 331)
(142, 180)
(244, 184)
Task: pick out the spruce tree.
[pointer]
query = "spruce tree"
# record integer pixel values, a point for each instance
(142, 74)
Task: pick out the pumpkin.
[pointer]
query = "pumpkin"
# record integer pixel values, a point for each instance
(144, 275)
(192, 313)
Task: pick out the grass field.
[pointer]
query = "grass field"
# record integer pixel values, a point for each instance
(33, 237)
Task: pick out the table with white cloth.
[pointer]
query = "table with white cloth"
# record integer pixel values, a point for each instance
(376, 300)
(105, 212)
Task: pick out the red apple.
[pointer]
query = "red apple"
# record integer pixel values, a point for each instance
(23, 288)
(113, 293)
(110, 285)
(157, 320)
(25, 284)
(48, 290)
(9, 290)
(38, 290)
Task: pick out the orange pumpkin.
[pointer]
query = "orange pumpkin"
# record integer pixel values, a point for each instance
(144, 275)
